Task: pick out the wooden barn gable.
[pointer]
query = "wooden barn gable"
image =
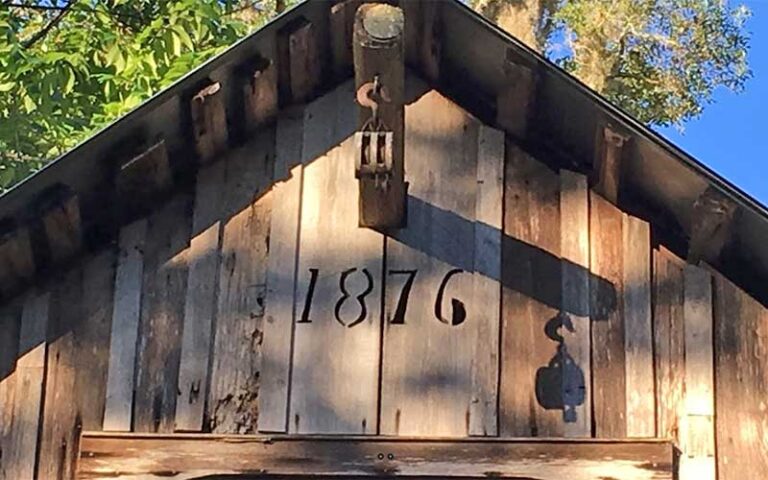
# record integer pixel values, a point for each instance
(560, 293)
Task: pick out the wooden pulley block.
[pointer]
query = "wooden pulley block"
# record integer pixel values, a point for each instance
(374, 155)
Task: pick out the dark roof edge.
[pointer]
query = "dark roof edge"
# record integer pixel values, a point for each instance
(638, 128)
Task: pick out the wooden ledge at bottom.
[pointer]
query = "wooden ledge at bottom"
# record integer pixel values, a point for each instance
(196, 456)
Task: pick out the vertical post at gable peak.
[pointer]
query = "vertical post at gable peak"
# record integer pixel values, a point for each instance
(379, 53)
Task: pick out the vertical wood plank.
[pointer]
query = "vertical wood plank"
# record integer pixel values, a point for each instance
(608, 361)
(697, 437)
(126, 312)
(60, 423)
(334, 385)
(200, 304)
(489, 217)
(10, 317)
(427, 384)
(162, 309)
(92, 338)
(741, 353)
(531, 299)
(574, 231)
(281, 270)
(669, 342)
(236, 364)
(19, 459)
(638, 335)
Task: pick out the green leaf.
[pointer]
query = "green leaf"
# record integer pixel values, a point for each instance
(29, 104)
(70, 83)
(7, 87)
(176, 44)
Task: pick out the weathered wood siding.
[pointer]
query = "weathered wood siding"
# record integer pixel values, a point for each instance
(516, 303)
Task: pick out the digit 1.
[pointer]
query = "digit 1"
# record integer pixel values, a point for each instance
(313, 273)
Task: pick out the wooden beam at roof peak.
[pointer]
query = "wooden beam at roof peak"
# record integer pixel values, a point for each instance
(378, 51)
(607, 164)
(710, 230)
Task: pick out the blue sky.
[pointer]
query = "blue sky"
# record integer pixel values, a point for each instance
(730, 136)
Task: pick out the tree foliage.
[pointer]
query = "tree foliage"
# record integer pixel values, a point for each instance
(661, 60)
(68, 68)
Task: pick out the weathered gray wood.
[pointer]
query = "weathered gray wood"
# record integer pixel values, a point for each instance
(608, 361)
(236, 359)
(92, 338)
(741, 353)
(669, 342)
(427, 383)
(209, 122)
(710, 229)
(574, 248)
(607, 164)
(60, 427)
(17, 263)
(379, 53)
(126, 312)
(162, 310)
(200, 304)
(531, 298)
(10, 317)
(334, 387)
(281, 271)
(489, 217)
(20, 456)
(125, 457)
(697, 436)
(638, 335)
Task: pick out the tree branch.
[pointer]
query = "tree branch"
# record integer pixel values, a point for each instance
(42, 33)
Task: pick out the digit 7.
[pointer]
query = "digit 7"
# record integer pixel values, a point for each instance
(405, 293)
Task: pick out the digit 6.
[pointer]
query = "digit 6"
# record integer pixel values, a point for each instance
(459, 312)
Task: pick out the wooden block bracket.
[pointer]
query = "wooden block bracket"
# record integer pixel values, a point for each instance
(17, 264)
(713, 214)
(260, 92)
(209, 122)
(609, 150)
(59, 211)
